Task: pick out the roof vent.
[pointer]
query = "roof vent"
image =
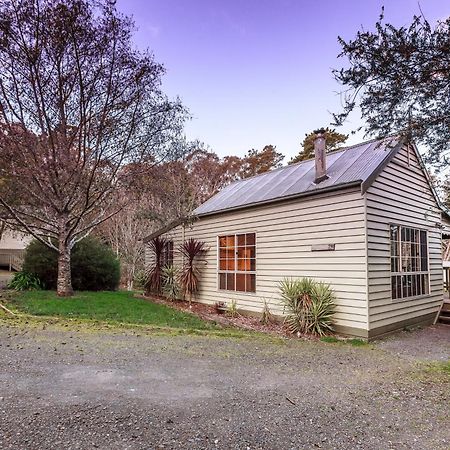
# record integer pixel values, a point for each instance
(320, 156)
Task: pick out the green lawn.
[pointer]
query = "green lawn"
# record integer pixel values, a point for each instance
(113, 307)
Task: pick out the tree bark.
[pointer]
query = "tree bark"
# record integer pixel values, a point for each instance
(64, 282)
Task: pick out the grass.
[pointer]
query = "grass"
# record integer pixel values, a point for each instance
(110, 307)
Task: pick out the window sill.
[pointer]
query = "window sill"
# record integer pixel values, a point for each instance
(226, 291)
(407, 299)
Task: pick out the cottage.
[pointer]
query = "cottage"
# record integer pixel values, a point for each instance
(364, 218)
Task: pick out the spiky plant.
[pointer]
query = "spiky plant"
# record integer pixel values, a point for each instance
(232, 309)
(171, 287)
(153, 281)
(310, 305)
(266, 314)
(190, 273)
(322, 309)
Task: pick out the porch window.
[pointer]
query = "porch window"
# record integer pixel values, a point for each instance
(237, 262)
(409, 262)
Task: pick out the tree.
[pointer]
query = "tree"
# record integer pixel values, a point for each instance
(78, 102)
(333, 141)
(399, 78)
(256, 162)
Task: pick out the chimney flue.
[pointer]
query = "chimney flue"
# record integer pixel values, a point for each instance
(320, 156)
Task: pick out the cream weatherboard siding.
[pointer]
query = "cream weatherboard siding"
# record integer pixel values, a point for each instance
(401, 195)
(285, 232)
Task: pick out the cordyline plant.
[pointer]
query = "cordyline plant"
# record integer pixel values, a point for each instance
(153, 283)
(78, 105)
(190, 273)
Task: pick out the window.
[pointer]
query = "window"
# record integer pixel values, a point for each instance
(237, 262)
(409, 262)
(167, 254)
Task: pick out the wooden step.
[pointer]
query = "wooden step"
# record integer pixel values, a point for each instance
(444, 319)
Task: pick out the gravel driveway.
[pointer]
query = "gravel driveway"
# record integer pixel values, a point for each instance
(66, 389)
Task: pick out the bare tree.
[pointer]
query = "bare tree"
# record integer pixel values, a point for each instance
(77, 103)
(124, 232)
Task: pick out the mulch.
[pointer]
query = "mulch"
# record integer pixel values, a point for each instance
(209, 313)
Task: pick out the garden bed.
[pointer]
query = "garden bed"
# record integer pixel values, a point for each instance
(210, 314)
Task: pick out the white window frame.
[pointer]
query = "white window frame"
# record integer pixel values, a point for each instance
(401, 273)
(244, 272)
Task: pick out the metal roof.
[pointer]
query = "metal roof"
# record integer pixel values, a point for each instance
(347, 166)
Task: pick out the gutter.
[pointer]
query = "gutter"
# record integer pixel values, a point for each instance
(282, 199)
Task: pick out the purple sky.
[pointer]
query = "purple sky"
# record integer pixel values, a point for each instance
(256, 72)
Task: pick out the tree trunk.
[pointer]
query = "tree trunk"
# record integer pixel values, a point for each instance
(64, 283)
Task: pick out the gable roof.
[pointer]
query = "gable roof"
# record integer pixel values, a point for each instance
(355, 165)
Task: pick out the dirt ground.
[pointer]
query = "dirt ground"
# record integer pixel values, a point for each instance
(5, 277)
(66, 389)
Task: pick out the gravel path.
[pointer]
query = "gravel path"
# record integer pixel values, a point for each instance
(66, 389)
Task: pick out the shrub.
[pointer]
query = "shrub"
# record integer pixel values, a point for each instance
(232, 310)
(310, 305)
(266, 315)
(24, 281)
(139, 280)
(171, 288)
(94, 267)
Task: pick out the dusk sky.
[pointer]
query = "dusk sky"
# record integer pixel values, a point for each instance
(257, 72)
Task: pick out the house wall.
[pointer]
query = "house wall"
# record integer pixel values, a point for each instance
(285, 232)
(400, 194)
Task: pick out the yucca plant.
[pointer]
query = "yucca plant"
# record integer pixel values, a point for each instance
(322, 309)
(171, 287)
(153, 278)
(310, 305)
(190, 274)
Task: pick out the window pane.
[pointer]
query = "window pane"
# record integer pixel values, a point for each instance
(240, 282)
(394, 264)
(251, 252)
(251, 239)
(394, 232)
(394, 248)
(253, 265)
(424, 258)
(241, 239)
(404, 286)
(241, 252)
(425, 284)
(222, 241)
(413, 285)
(242, 265)
(230, 264)
(231, 282)
(394, 287)
(223, 264)
(222, 281)
(250, 282)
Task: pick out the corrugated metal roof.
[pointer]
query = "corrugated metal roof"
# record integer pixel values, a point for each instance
(345, 166)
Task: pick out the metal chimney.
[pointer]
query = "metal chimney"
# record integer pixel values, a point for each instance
(320, 156)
